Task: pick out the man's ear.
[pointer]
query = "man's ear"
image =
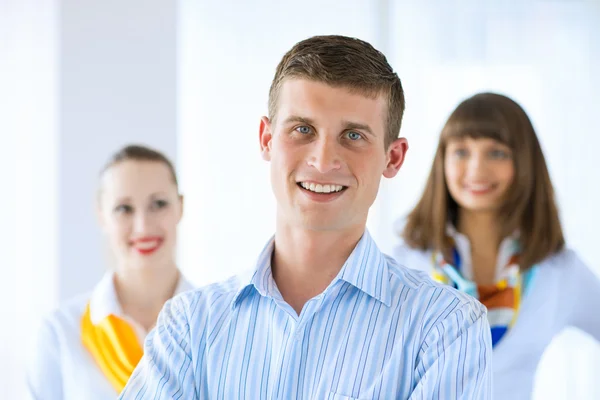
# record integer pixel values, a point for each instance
(396, 153)
(265, 135)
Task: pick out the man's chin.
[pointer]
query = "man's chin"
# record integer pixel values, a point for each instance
(325, 223)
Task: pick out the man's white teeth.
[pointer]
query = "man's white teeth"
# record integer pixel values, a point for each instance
(318, 188)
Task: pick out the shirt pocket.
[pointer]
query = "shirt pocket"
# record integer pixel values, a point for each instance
(338, 396)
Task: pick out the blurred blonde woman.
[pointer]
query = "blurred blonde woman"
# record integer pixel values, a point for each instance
(487, 224)
(88, 348)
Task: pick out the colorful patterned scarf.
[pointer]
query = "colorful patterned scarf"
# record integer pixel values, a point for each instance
(502, 299)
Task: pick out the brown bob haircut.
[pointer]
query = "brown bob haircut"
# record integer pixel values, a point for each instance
(530, 206)
(341, 61)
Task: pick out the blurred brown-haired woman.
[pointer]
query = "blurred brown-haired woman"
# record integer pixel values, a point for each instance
(487, 224)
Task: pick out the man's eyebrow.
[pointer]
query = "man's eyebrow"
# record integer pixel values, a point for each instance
(349, 125)
(297, 118)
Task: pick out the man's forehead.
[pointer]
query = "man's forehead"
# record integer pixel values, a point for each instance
(300, 84)
(318, 104)
(309, 99)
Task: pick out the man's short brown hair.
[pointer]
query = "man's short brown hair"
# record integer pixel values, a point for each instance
(341, 61)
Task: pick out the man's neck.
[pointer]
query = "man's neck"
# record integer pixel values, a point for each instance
(305, 261)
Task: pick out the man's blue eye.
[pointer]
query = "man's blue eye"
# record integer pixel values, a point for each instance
(303, 130)
(354, 136)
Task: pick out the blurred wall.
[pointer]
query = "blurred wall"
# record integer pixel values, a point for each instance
(28, 178)
(117, 85)
(78, 79)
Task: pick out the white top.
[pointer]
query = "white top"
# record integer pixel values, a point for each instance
(563, 292)
(62, 368)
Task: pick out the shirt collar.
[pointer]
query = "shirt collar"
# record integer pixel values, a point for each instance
(366, 269)
(104, 301)
(259, 279)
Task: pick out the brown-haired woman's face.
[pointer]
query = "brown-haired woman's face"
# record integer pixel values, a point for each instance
(479, 172)
(140, 209)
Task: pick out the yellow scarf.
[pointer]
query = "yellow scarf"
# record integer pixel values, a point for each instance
(114, 345)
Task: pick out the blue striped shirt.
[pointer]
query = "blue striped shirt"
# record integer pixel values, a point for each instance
(379, 331)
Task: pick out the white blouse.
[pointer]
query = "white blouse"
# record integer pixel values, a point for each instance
(62, 368)
(563, 292)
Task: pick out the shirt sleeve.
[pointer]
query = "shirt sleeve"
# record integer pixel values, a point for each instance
(44, 372)
(165, 371)
(586, 298)
(456, 357)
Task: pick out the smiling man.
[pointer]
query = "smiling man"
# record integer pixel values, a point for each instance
(323, 314)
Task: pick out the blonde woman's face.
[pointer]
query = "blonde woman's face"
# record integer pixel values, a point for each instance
(478, 172)
(139, 210)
